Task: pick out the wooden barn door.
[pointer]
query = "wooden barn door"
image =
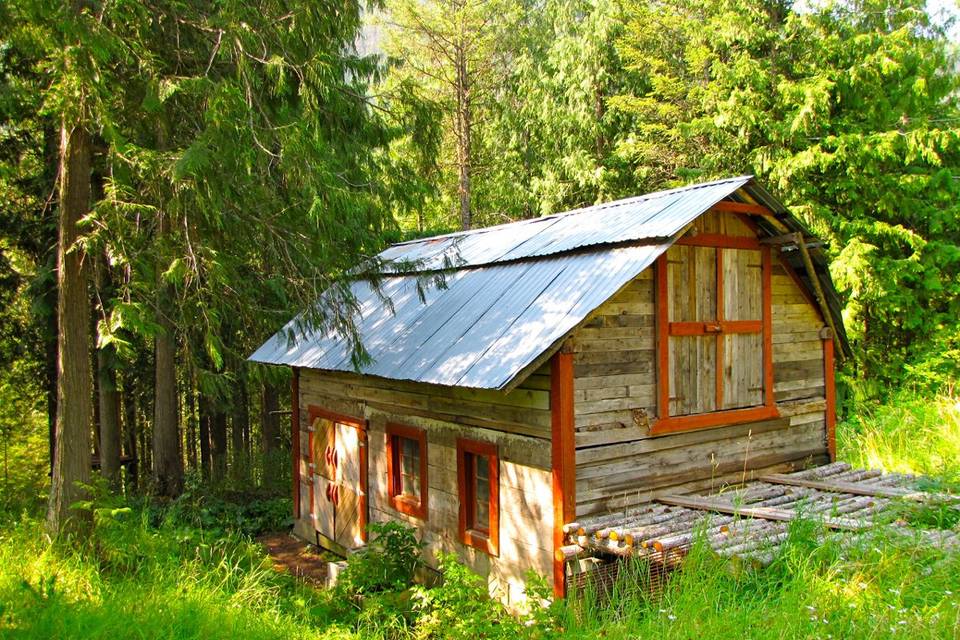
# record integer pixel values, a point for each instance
(339, 463)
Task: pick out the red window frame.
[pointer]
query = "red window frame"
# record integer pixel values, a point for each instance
(672, 424)
(410, 505)
(467, 452)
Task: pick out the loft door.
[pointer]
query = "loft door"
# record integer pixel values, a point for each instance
(339, 479)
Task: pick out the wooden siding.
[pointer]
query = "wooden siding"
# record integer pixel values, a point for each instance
(615, 394)
(519, 423)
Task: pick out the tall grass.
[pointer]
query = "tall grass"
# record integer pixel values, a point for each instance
(910, 434)
(880, 588)
(181, 575)
(136, 581)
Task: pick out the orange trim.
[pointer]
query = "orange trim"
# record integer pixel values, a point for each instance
(295, 438)
(718, 341)
(674, 424)
(720, 240)
(487, 541)
(766, 273)
(314, 412)
(713, 328)
(670, 424)
(830, 390)
(562, 458)
(663, 338)
(410, 505)
(729, 206)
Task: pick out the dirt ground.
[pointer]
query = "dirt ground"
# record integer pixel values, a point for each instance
(296, 557)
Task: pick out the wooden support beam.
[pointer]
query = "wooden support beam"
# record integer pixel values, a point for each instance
(787, 238)
(729, 206)
(295, 438)
(817, 289)
(830, 394)
(765, 513)
(855, 489)
(563, 460)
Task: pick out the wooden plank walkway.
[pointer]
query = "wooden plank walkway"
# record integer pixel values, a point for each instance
(749, 523)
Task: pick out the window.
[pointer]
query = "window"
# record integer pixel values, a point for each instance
(478, 475)
(714, 333)
(407, 469)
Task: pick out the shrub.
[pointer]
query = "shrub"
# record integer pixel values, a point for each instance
(388, 563)
(461, 608)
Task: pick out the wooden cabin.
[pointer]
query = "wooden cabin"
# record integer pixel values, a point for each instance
(524, 375)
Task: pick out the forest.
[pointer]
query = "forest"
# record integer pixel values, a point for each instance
(179, 178)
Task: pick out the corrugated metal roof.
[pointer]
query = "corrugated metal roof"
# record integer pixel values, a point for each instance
(658, 215)
(516, 291)
(480, 331)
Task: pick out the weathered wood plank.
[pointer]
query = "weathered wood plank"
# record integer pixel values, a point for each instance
(766, 513)
(855, 488)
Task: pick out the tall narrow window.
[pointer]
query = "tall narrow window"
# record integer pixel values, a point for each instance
(714, 332)
(407, 469)
(478, 471)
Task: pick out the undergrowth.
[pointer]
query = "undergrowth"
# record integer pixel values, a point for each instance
(908, 434)
(190, 569)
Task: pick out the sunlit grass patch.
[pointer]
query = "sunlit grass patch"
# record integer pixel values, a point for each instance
(909, 434)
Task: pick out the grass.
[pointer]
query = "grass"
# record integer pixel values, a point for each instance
(910, 434)
(146, 576)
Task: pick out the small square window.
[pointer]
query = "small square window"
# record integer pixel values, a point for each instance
(407, 469)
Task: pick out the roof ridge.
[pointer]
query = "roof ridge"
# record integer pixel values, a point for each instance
(562, 214)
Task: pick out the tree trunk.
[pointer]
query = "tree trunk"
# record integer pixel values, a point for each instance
(239, 424)
(71, 462)
(218, 445)
(109, 417)
(270, 418)
(204, 410)
(167, 463)
(130, 425)
(463, 131)
(107, 393)
(191, 418)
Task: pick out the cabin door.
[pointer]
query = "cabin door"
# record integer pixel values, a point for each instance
(339, 479)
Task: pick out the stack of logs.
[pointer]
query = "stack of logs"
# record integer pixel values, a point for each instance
(750, 523)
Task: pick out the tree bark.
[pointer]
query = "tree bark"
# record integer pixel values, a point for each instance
(463, 130)
(109, 397)
(239, 423)
(71, 462)
(108, 394)
(130, 427)
(191, 423)
(204, 410)
(218, 445)
(167, 462)
(270, 418)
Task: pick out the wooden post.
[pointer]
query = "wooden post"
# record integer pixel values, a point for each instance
(815, 281)
(563, 459)
(830, 391)
(295, 438)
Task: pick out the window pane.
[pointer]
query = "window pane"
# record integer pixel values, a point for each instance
(409, 467)
(481, 509)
